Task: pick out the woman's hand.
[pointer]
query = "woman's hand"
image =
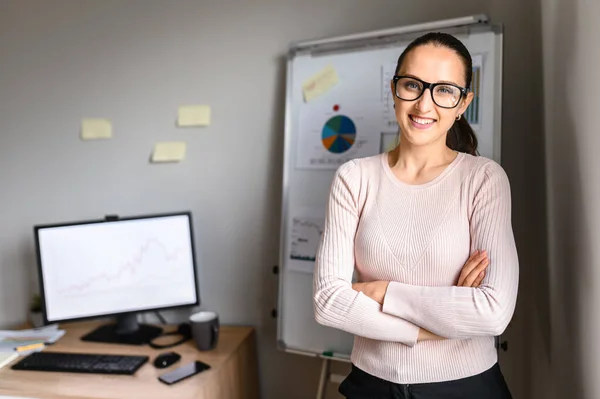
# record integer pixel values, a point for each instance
(425, 335)
(373, 289)
(473, 271)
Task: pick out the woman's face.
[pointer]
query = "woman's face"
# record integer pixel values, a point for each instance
(422, 122)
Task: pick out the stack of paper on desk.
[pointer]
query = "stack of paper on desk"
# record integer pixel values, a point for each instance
(6, 358)
(12, 340)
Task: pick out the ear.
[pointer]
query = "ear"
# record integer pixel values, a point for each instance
(465, 103)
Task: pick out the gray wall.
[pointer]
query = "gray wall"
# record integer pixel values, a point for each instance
(135, 62)
(571, 56)
(524, 159)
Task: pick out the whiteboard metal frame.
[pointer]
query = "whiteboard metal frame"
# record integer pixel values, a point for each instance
(498, 90)
(285, 195)
(343, 43)
(401, 30)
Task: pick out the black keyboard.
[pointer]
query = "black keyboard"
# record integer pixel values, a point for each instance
(81, 363)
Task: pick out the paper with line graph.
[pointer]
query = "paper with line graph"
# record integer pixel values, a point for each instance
(96, 269)
(473, 112)
(305, 238)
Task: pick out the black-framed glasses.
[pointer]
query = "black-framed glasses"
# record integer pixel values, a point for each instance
(444, 95)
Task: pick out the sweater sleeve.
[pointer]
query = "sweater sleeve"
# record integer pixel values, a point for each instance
(336, 304)
(457, 312)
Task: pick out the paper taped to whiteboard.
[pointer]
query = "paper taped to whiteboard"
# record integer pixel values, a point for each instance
(305, 238)
(473, 112)
(96, 129)
(327, 139)
(320, 83)
(389, 141)
(387, 98)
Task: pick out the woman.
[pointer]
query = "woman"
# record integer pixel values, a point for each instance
(427, 228)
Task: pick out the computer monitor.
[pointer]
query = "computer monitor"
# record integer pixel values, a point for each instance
(117, 267)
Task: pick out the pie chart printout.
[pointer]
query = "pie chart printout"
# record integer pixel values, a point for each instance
(339, 134)
(327, 139)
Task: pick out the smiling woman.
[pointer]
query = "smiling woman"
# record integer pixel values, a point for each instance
(444, 60)
(427, 230)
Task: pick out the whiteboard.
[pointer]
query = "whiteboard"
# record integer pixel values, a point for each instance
(360, 100)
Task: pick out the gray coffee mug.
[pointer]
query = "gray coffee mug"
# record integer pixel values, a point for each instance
(205, 329)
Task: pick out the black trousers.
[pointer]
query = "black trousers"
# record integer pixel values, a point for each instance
(488, 385)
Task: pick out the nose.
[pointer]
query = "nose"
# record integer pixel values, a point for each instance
(425, 102)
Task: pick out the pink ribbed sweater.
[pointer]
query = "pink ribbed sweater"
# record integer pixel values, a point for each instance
(418, 237)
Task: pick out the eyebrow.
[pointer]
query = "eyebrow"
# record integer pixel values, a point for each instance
(441, 81)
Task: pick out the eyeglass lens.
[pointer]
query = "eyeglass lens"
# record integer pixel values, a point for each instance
(409, 89)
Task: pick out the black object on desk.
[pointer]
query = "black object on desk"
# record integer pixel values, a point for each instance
(165, 360)
(81, 363)
(183, 372)
(109, 334)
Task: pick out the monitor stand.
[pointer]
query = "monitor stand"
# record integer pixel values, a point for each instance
(126, 330)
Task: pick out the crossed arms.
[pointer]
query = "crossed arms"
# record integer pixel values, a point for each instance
(479, 305)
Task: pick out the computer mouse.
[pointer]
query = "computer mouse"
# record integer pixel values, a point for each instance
(165, 360)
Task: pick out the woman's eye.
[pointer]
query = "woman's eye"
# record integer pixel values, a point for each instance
(445, 90)
(412, 86)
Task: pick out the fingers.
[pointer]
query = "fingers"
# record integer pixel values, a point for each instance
(468, 266)
(474, 275)
(471, 265)
(479, 279)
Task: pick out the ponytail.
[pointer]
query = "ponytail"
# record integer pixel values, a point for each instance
(461, 137)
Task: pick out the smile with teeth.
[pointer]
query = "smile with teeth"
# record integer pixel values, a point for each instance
(421, 121)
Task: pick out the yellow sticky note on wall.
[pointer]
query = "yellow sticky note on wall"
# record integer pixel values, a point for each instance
(169, 151)
(320, 83)
(193, 115)
(95, 129)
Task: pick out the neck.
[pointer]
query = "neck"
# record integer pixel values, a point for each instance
(417, 158)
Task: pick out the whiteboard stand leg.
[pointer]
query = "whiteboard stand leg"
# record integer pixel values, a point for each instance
(324, 378)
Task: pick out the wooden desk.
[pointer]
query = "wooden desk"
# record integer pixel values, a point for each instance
(233, 373)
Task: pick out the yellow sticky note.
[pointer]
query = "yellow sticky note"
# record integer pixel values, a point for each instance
(169, 151)
(320, 83)
(193, 115)
(94, 129)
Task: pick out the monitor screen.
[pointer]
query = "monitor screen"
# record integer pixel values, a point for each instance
(91, 269)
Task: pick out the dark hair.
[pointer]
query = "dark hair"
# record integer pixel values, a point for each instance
(461, 136)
